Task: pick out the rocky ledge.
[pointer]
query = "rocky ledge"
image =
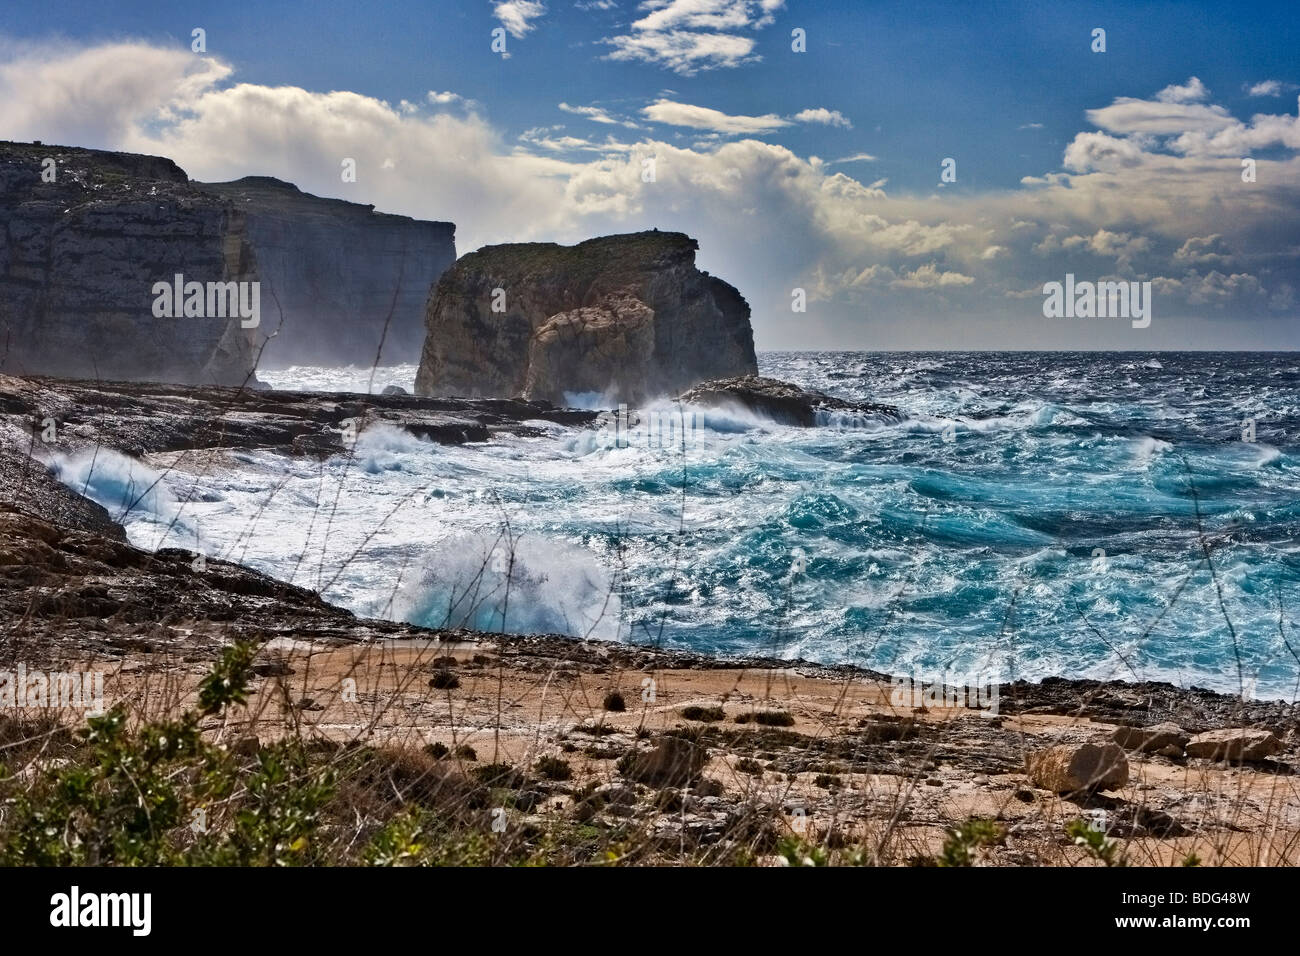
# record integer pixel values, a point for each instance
(786, 403)
(143, 418)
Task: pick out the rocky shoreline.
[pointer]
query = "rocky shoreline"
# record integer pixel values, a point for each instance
(664, 746)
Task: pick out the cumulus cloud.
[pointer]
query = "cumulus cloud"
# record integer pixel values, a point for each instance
(1097, 151)
(517, 16)
(824, 116)
(98, 93)
(1266, 88)
(1210, 248)
(1190, 92)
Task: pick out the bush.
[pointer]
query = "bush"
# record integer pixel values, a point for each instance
(444, 680)
(767, 718)
(750, 765)
(553, 768)
(707, 714)
(614, 702)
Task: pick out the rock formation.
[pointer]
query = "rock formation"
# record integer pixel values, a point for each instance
(629, 317)
(82, 253)
(87, 234)
(786, 403)
(338, 269)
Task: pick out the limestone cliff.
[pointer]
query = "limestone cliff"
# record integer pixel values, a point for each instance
(79, 257)
(338, 269)
(628, 316)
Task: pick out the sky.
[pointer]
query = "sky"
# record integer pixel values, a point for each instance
(802, 143)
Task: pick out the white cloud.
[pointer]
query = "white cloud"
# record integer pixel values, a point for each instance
(1161, 117)
(593, 113)
(598, 114)
(442, 99)
(1097, 151)
(1190, 92)
(701, 117)
(541, 138)
(855, 158)
(929, 276)
(1266, 88)
(517, 16)
(96, 93)
(672, 113)
(705, 14)
(688, 36)
(1120, 245)
(596, 5)
(1203, 249)
(684, 52)
(824, 116)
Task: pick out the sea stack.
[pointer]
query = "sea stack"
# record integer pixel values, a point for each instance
(625, 318)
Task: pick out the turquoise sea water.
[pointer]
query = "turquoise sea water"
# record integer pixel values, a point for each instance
(1034, 514)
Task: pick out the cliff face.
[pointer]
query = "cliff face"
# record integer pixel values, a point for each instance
(79, 258)
(628, 316)
(338, 269)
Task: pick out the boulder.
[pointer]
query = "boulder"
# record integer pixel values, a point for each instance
(628, 317)
(1166, 739)
(1234, 744)
(1068, 768)
(786, 404)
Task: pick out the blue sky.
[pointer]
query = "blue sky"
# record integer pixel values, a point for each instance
(1122, 165)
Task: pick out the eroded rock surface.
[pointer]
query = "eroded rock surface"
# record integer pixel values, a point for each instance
(80, 257)
(786, 403)
(629, 317)
(352, 282)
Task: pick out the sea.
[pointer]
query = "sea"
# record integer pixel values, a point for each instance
(1129, 516)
